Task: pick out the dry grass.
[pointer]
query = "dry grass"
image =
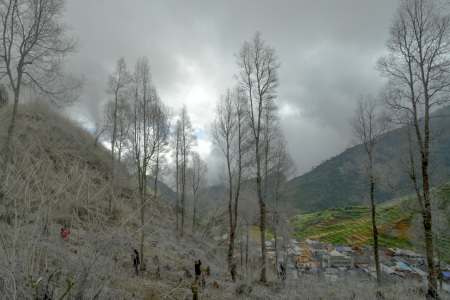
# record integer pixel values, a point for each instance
(59, 179)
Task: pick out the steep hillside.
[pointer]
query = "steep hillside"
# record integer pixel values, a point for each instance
(58, 178)
(338, 182)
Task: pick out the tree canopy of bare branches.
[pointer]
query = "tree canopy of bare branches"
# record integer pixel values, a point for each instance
(418, 72)
(230, 133)
(258, 78)
(118, 85)
(369, 125)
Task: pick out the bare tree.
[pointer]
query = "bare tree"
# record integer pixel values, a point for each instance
(417, 68)
(176, 144)
(258, 78)
(369, 126)
(230, 134)
(123, 128)
(185, 139)
(33, 46)
(282, 170)
(118, 83)
(161, 130)
(144, 98)
(197, 182)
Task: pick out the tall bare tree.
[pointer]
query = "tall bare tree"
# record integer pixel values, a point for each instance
(117, 86)
(144, 98)
(33, 46)
(230, 133)
(418, 69)
(197, 182)
(369, 126)
(187, 141)
(176, 144)
(258, 78)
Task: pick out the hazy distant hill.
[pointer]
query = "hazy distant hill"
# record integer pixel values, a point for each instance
(331, 184)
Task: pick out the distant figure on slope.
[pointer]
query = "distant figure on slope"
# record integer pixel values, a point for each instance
(64, 233)
(198, 271)
(136, 261)
(282, 272)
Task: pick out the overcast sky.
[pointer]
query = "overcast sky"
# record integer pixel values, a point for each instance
(327, 50)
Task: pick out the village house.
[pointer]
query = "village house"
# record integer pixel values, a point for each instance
(336, 259)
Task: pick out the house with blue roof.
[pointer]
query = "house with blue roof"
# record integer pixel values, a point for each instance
(401, 266)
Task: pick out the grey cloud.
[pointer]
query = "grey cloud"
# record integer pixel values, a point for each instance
(327, 50)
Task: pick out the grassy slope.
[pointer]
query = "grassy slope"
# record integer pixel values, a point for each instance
(353, 225)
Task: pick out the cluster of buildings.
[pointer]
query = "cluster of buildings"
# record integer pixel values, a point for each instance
(306, 256)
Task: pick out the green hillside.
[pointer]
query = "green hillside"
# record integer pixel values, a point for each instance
(352, 225)
(338, 182)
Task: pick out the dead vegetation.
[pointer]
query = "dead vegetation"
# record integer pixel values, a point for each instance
(59, 179)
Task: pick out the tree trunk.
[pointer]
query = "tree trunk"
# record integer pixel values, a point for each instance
(375, 231)
(7, 147)
(143, 194)
(246, 253)
(177, 189)
(432, 280)
(183, 190)
(242, 253)
(426, 209)
(194, 213)
(262, 227)
(231, 244)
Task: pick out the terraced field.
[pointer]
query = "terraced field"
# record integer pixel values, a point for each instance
(353, 225)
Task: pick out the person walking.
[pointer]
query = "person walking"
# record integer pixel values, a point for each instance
(198, 271)
(136, 261)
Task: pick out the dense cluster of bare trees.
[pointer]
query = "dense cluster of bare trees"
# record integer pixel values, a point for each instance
(138, 124)
(246, 130)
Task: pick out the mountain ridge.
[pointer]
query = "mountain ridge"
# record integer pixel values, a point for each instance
(335, 183)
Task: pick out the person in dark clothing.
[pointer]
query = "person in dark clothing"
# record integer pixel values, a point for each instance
(198, 270)
(282, 272)
(136, 261)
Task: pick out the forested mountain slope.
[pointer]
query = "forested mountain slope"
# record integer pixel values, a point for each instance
(337, 182)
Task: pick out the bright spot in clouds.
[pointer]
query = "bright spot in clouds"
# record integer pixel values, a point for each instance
(287, 110)
(203, 148)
